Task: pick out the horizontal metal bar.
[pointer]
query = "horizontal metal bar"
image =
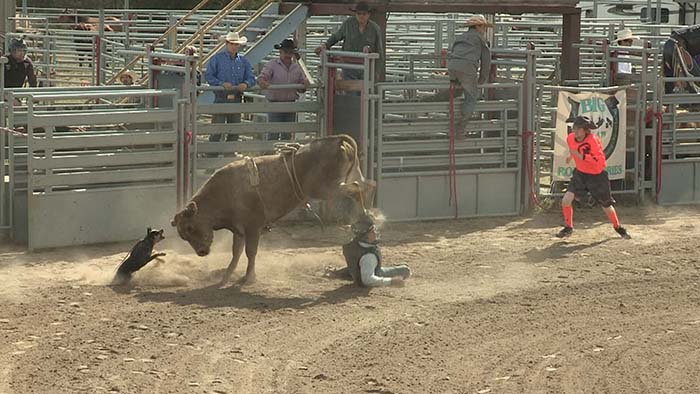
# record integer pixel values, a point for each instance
(106, 117)
(37, 96)
(360, 55)
(97, 141)
(104, 160)
(103, 177)
(346, 66)
(271, 127)
(400, 162)
(443, 107)
(240, 146)
(445, 173)
(237, 108)
(410, 148)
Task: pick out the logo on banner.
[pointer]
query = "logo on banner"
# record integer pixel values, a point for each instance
(608, 114)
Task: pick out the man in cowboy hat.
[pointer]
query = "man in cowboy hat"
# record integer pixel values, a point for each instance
(624, 71)
(231, 70)
(469, 63)
(126, 78)
(282, 71)
(357, 33)
(364, 258)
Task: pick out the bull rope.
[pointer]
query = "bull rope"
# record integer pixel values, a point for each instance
(254, 176)
(291, 149)
(681, 68)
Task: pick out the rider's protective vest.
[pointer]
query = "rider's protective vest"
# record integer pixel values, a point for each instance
(353, 252)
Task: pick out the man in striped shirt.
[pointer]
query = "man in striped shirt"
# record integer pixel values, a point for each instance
(282, 71)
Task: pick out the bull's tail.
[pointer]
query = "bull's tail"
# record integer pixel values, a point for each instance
(355, 162)
(355, 158)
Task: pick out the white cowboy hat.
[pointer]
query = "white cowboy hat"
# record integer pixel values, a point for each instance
(478, 20)
(234, 38)
(625, 34)
(127, 73)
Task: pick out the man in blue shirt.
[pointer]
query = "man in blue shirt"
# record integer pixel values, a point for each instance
(232, 71)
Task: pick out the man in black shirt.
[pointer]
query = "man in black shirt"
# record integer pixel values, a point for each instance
(19, 68)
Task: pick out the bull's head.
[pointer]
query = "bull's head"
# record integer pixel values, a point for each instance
(194, 228)
(361, 191)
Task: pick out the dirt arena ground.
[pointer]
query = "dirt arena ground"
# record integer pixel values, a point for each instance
(495, 306)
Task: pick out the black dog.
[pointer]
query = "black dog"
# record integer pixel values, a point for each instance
(140, 255)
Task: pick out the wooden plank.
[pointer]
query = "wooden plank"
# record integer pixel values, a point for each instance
(103, 177)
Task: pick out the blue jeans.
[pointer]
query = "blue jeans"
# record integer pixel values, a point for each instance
(280, 117)
(353, 75)
(225, 118)
(468, 82)
(390, 272)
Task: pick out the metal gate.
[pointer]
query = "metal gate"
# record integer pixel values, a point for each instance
(421, 174)
(94, 165)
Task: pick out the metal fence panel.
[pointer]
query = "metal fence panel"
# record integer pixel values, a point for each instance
(414, 159)
(95, 175)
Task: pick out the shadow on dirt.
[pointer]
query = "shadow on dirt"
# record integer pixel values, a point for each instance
(242, 298)
(560, 250)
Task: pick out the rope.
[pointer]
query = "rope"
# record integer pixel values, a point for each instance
(453, 162)
(659, 116)
(186, 154)
(291, 148)
(13, 131)
(680, 67)
(529, 157)
(296, 187)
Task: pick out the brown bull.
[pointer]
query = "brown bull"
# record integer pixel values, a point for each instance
(247, 195)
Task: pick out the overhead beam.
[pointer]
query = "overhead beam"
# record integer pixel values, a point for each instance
(344, 9)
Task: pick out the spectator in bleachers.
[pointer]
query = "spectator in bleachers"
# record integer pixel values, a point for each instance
(357, 33)
(282, 71)
(126, 78)
(234, 72)
(469, 64)
(19, 69)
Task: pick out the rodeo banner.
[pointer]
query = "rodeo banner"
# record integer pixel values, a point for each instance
(608, 111)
